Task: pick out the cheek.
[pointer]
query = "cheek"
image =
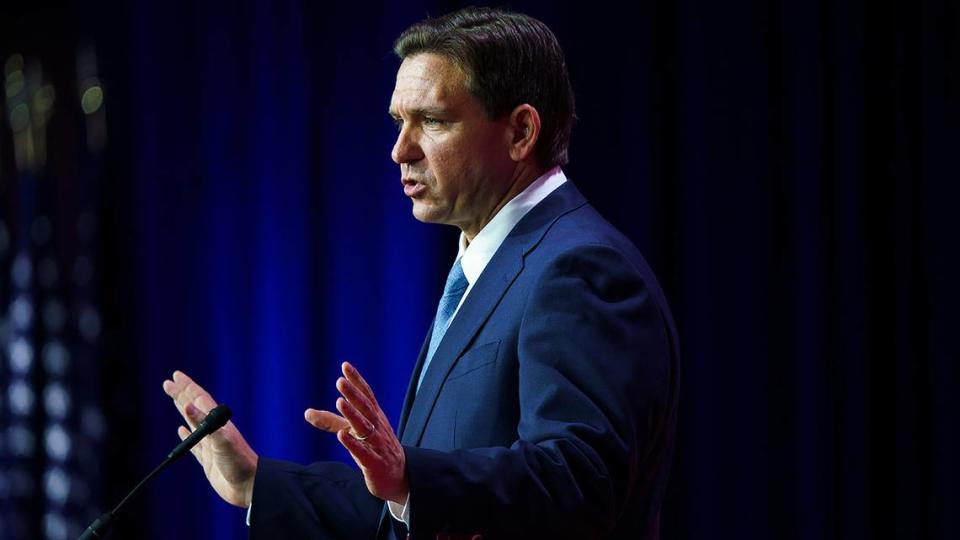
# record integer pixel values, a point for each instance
(445, 169)
(456, 165)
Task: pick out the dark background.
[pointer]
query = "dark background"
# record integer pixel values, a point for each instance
(788, 168)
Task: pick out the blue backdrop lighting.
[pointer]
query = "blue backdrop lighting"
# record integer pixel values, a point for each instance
(275, 240)
(785, 166)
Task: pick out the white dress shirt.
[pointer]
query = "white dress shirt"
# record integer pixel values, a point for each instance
(475, 256)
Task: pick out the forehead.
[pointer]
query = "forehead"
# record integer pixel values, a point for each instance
(428, 80)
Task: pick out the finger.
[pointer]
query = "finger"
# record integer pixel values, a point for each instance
(205, 403)
(194, 414)
(177, 384)
(361, 426)
(353, 395)
(364, 455)
(325, 420)
(354, 377)
(218, 439)
(186, 390)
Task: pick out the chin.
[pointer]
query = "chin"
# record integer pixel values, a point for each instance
(422, 213)
(426, 214)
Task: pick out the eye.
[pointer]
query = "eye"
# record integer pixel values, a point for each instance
(397, 121)
(431, 121)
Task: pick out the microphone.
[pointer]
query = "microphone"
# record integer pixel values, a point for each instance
(214, 420)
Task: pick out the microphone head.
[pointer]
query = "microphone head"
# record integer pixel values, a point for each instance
(214, 420)
(218, 417)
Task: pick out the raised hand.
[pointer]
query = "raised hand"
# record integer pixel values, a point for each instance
(228, 461)
(363, 429)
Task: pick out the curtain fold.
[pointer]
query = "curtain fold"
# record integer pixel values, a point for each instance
(787, 167)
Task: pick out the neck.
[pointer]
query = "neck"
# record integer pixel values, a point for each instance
(523, 176)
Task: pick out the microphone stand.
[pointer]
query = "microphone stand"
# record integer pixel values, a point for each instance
(101, 526)
(213, 421)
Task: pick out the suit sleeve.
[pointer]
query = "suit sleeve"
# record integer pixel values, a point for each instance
(593, 359)
(325, 500)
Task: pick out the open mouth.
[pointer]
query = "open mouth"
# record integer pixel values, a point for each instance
(412, 188)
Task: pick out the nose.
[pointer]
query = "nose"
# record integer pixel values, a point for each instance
(406, 149)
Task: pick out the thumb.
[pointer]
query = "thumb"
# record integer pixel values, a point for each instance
(325, 420)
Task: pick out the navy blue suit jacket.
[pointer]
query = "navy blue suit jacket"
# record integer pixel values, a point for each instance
(549, 409)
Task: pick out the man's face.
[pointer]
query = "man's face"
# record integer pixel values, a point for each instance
(454, 160)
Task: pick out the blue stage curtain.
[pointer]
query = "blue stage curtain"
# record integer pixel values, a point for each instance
(787, 167)
(273, 238)
(783, 165)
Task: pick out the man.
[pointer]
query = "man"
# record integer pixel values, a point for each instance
(543, 402)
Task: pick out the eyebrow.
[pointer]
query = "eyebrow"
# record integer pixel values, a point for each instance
(420, 112)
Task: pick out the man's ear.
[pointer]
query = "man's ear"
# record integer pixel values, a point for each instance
(524, 131)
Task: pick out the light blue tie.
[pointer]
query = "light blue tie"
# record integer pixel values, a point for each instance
(452, 293)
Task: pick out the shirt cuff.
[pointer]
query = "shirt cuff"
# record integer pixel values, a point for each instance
(400, 513)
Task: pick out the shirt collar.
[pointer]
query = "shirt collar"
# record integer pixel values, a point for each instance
(474, 258)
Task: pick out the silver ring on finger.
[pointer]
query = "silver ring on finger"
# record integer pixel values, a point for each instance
(367, 436)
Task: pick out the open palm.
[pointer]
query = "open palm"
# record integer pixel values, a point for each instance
(229, 463)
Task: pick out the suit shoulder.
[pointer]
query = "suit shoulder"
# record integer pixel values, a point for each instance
(583, 231)
(582, 241)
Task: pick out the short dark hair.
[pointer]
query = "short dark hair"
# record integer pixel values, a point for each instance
(509, 59)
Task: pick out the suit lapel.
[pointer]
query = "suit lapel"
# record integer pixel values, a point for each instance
(486, 293)
(492, 284)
